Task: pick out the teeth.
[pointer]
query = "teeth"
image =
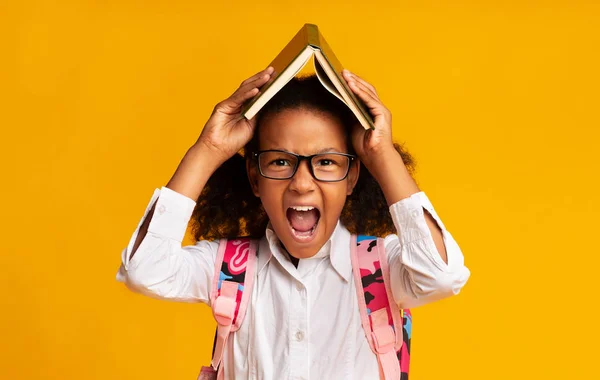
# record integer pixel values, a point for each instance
(302, 208)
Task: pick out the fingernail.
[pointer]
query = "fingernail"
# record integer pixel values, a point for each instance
(270, 69)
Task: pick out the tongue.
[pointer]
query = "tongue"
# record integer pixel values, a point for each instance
(302, 221)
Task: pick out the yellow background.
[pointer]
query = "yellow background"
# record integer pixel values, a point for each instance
(498, 101)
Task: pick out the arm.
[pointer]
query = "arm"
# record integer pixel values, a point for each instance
(425, 262)
(161, 267)
(225, 133)
(154, 262)
(397, 184)
(189, 179)
(376, 150)
(417, 272)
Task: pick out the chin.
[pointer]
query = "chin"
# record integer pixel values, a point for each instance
(304, 253)
(303, 245)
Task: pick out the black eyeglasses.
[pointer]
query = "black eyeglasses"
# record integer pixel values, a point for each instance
(325, 167)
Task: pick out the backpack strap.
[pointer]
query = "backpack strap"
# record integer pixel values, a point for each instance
(231, 290)
(386, 327)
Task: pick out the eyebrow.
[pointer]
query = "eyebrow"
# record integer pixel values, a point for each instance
(324, 150)
(328, 150)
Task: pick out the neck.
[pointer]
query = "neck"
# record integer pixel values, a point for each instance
(293, 259)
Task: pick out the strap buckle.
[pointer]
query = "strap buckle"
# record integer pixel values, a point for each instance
(384, 338)
(224, 310)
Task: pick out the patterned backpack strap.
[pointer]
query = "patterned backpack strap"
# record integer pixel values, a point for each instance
(387, 328)
(231, 291)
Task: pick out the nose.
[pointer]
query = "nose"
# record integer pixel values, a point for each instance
(302, 181)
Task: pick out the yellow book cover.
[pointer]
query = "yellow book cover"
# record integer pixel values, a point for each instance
(309, 42)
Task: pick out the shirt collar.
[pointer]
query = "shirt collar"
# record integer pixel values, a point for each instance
(337, 247)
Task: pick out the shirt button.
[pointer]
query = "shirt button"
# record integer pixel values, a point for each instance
(162, 209)
(299, 336)
(299, 286)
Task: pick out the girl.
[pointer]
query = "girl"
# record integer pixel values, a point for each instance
(303, 319)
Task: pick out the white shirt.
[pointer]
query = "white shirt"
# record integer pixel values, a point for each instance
(302, 323)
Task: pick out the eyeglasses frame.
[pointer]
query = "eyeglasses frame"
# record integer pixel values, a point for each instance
(300, 159)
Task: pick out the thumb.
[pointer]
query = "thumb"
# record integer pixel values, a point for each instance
(358, 136)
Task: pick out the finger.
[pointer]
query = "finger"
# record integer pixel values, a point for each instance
(384, 109)
(245, 92)
(370, 100)
(358, 137)
(364, 82)
(351, 78)
(368, 90)
(232, 104)
(268, 70)
(256, 84)
(351, 75)
(241, 97)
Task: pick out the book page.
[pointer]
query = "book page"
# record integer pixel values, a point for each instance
(357, 107)
(325, 81)
(277, 82)
(295, 50)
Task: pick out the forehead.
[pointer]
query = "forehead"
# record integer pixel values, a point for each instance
(302, 131)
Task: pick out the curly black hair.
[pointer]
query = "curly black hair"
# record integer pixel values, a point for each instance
(227, 207)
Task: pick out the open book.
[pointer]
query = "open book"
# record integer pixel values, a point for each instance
(308, 42)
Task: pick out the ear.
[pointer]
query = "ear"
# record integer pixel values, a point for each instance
(252, 171)
(353, 176)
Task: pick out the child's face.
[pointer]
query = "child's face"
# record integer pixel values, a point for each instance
(303, 132)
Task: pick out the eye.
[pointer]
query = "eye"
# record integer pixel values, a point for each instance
(326, 162)
(280, 162)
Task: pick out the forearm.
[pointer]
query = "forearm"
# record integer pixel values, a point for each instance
(397, 184)
(196, 167)
(392, 176)
(162, 267)
(189, 179)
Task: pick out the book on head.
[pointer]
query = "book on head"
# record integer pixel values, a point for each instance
(309, 42)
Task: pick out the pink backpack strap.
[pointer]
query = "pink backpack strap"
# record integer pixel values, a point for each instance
(386, 327)
(231, 291)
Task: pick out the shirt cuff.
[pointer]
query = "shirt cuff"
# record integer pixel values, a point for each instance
(171, 215)
(170, 218)
(409, 219)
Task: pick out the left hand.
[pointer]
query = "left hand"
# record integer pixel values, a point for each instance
(369, 144)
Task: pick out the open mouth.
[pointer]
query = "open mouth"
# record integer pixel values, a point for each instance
(303, 221)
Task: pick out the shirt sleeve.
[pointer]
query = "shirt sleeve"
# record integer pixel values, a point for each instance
(417, 272)
(161, 267)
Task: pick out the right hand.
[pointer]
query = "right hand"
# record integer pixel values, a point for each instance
(227, 131)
